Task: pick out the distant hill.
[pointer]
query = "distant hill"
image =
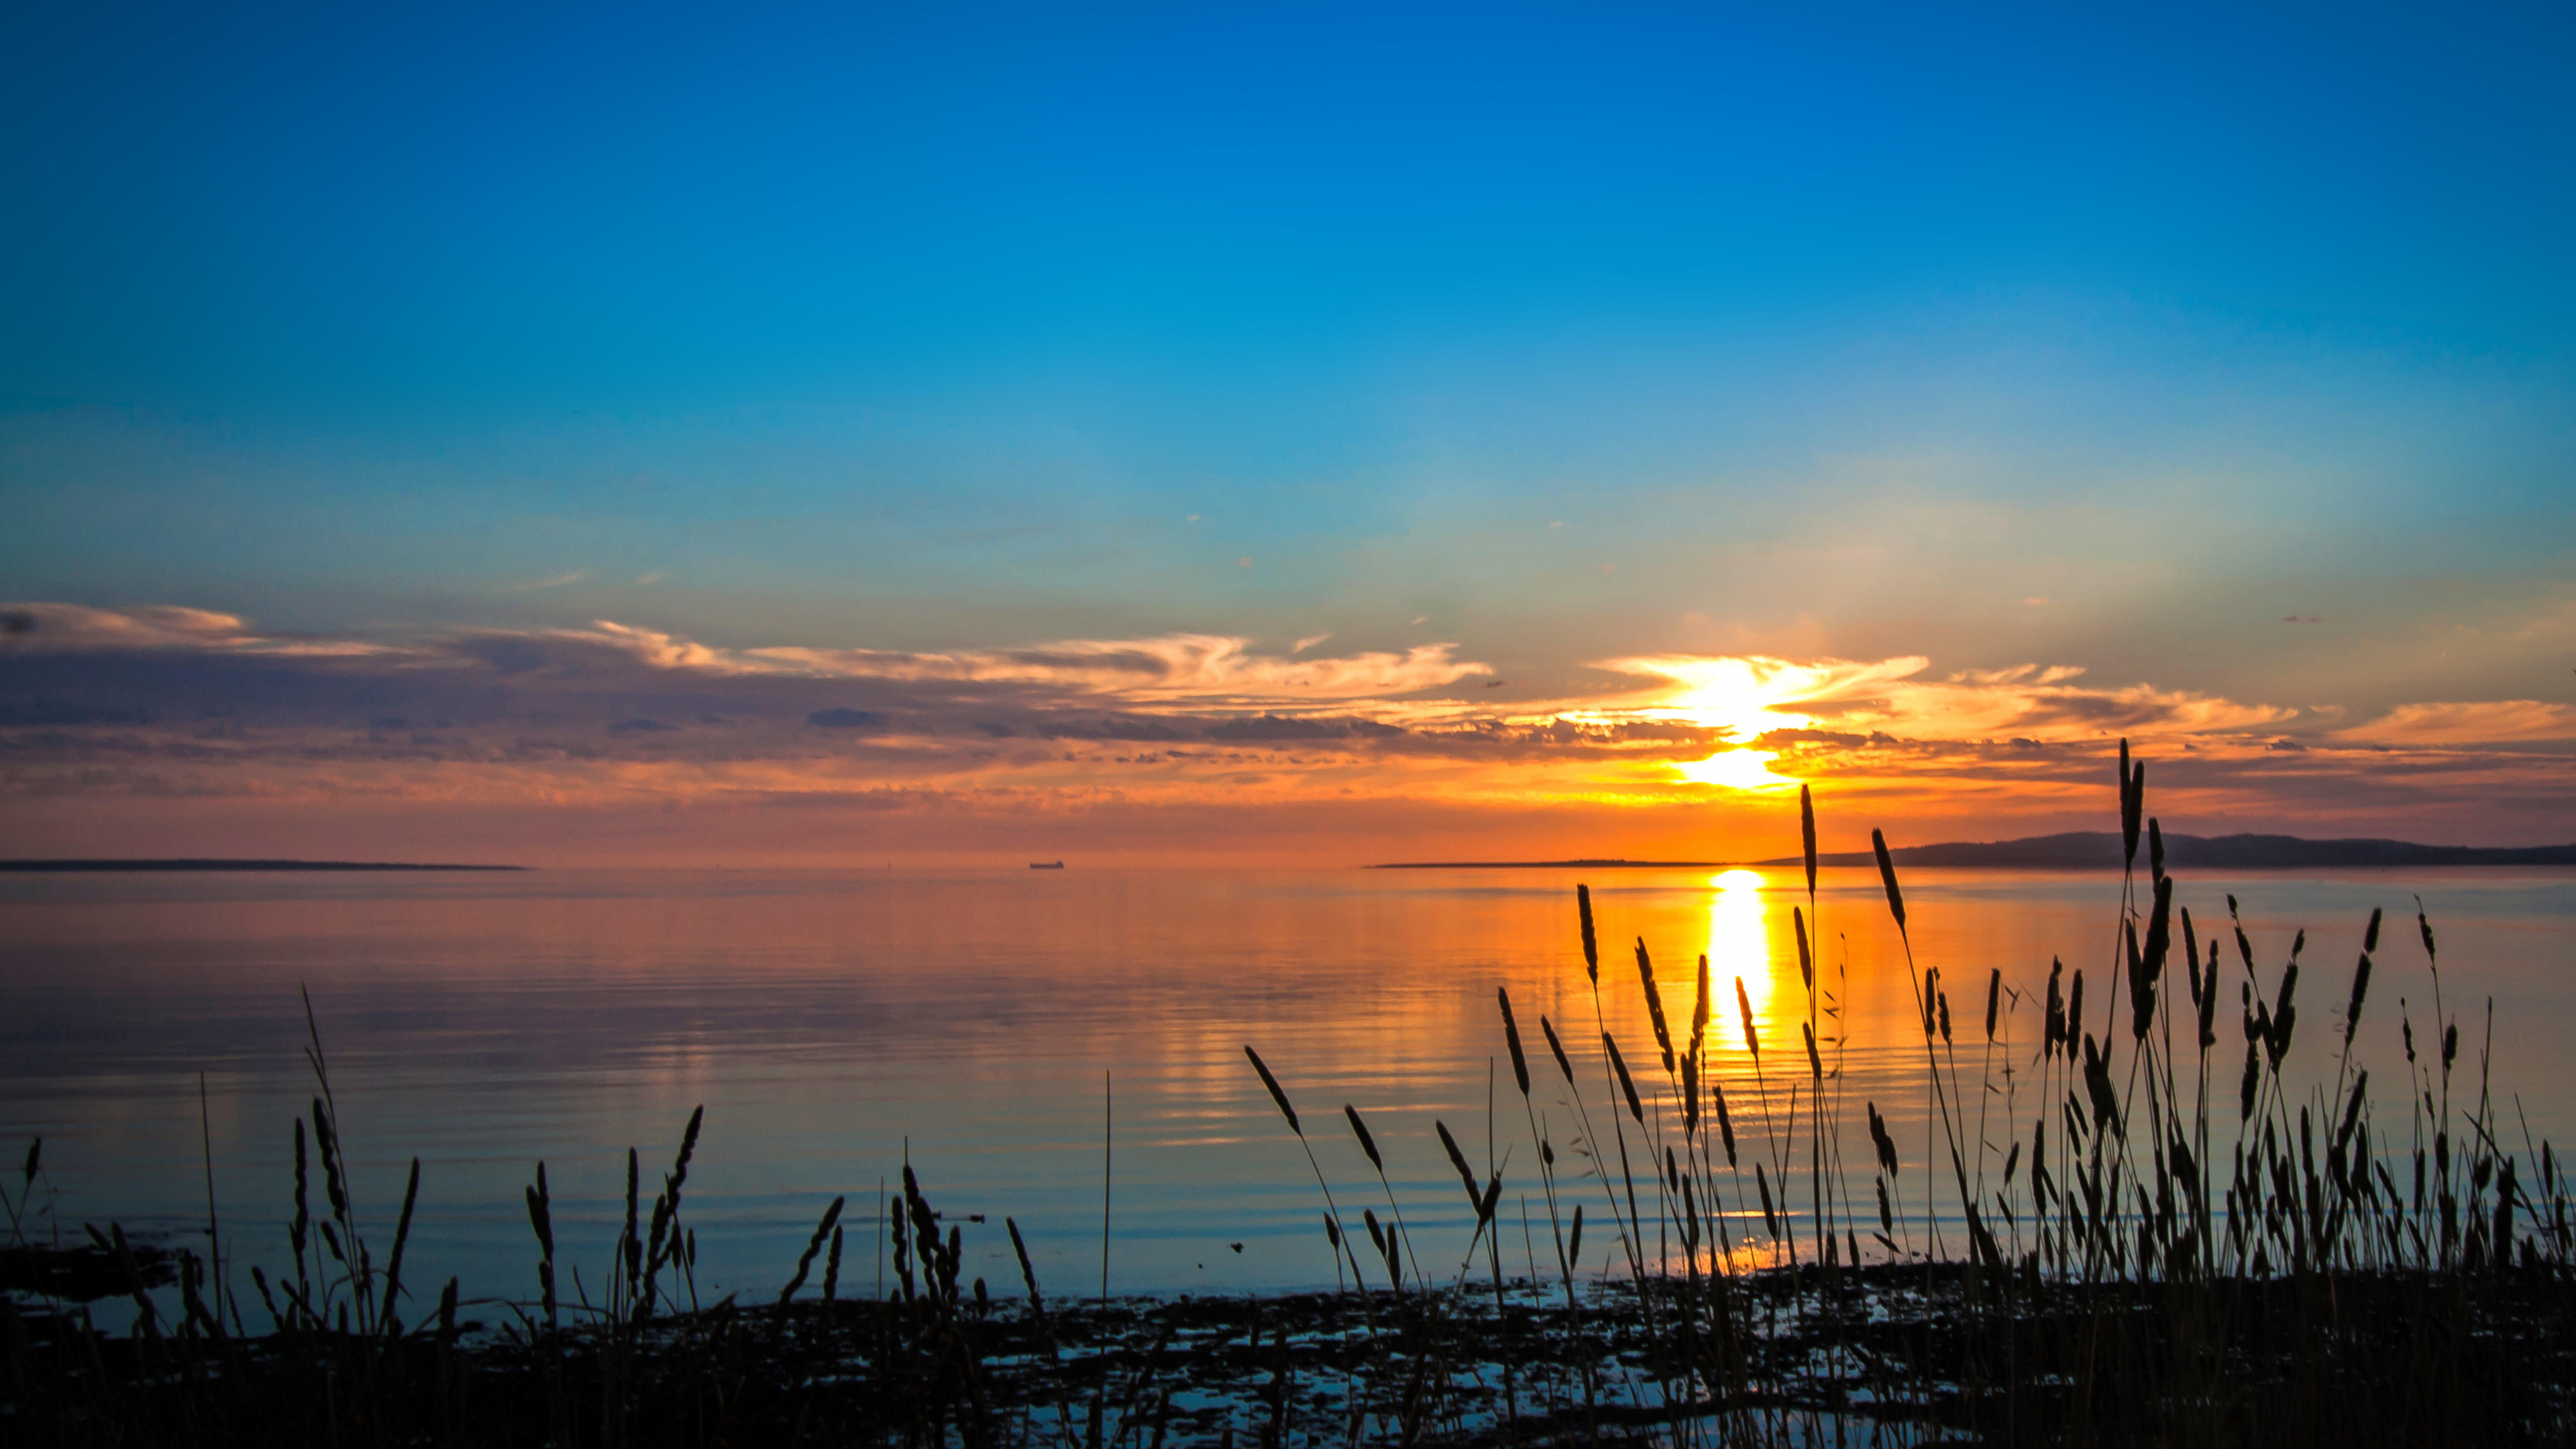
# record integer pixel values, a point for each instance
(62, 867)
(2091, 849)
(2100, 850)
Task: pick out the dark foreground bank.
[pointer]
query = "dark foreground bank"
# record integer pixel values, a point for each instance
(1887, 1354)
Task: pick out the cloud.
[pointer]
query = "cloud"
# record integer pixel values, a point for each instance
(1204, 668)
(74, 665)
(1751, 695)
(58, 628)
(1283, 727)
(2483, 722)
(552, 581)
(174, 703)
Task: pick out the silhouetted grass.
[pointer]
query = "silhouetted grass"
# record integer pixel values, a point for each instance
(2178, 1249)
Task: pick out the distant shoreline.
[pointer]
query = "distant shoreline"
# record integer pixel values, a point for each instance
(1560, 864)
(2095, 850)
(70, 867)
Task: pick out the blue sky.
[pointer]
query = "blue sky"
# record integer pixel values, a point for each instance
(2112, 340)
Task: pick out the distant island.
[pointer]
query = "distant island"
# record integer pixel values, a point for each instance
(65, 867)
(2097, 850)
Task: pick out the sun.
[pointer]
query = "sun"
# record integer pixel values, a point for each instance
(1747, 698)
(1736, 770)
(1740, 696)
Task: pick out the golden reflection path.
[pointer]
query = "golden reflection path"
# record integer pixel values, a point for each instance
(1739, 944)
(1739, 950)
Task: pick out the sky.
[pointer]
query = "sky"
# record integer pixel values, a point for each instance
(1279, 434)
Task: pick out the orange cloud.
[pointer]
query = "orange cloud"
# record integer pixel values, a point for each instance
(1753, 693)
(2481, 722)
(201, 710)
(1204, 669)
(48, 628)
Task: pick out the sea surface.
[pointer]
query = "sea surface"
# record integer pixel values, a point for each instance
(1032, 1041)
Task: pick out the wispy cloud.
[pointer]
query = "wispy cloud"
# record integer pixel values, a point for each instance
(1179, 675)
(551, 581)
(2485, 722)
(1751, 695)
(186, 704)
(1205, 668)
(48, 628)
(70, 626)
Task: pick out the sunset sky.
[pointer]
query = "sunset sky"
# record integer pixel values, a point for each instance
(1302, 434)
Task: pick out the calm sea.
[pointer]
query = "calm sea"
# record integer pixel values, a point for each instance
(1004, 1028)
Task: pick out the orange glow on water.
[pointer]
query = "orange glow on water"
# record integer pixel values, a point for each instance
(1739, 941)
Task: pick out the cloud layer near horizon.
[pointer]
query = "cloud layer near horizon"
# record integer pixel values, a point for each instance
(1202, 734)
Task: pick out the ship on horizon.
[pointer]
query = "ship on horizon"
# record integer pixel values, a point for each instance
(1046, 865)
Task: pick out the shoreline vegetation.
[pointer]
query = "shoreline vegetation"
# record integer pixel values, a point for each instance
(2129, 1238)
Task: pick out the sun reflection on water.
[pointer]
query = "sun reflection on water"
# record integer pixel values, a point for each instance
(1739, 941)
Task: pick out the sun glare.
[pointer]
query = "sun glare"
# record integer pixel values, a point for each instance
(1737, 695)
(1735, 769)
(1748, 699)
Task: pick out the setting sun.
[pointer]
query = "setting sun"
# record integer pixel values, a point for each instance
(1743, 696)
(1735, 769)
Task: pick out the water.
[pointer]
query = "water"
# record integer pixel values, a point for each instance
(986, 1022)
